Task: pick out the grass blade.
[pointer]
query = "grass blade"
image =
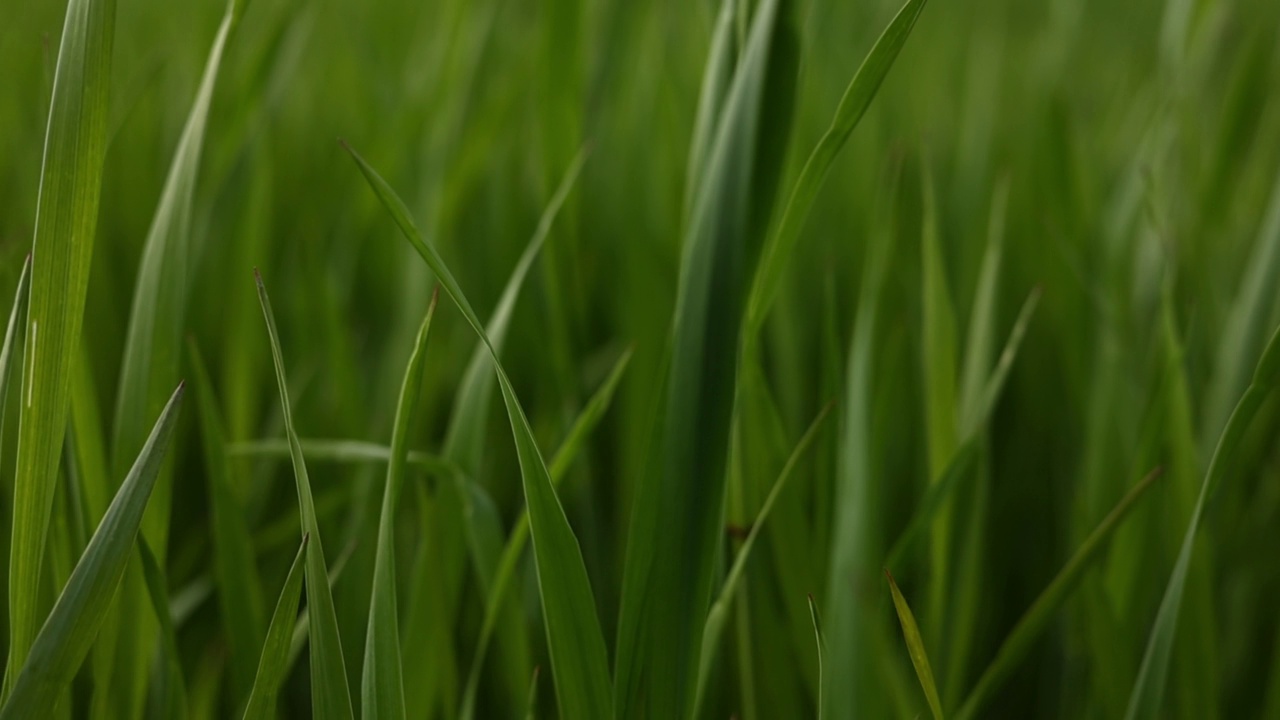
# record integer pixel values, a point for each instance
(69, 632)
(12, 335)
(579, 661)
(234, 560)
(915, 646)
(720, 609)
(857, 98)
(173, 695)
(1148, 689)
(1037, 617)
(343, 451)
(66, 220)
(274, 664)
(675, 534)
(330, 695)
(383, 684)
(514, 549)
(822, 650)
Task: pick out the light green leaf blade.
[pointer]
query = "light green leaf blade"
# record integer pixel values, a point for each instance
(676, 521)
(822, 650)
(153, 344)
(980, 336)
(915, 647)
(519, 536)
(342, 450)
(862, 89)
(153, 352)
(12, 334)
(330, 695)
(274, 663)
(66, 220)
(383, 685)
(579, 662)
(240, 598)
(1148, 689)
(69, 632)
(1037, 617)
(728, 591)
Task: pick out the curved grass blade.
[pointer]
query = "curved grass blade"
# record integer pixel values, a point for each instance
(240, 599)
(173, 691)
(1148, 689)
(979, 338)
(383, 684)
(728, 591)
(66, 219)
(13, 334)
(915, 646)
(514, 549)
(854, 552)
(330, 695)
(674, 540)
(274, 664)
(465, 445)
(963, 459)
(343, 451)
(822, 650)
(857, 98)
(579, 661)
(153, 345)
(1245, 324)
(70, 630)
(715, 85)
(152, 356)
(1037, 617)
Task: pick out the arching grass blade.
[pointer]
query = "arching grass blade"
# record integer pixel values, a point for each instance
(382, 690)
(70, 630)
(330, 695)
(274, 663)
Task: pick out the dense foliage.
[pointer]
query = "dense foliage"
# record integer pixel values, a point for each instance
(686, 358)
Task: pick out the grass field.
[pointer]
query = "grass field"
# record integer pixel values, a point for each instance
(688, 358)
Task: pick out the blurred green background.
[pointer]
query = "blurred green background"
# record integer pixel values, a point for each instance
(1139, 145)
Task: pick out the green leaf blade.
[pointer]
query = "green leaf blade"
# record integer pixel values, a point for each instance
(69, 632)
(579, 661)
(274, 663)
(330, 694)
(915, 646)
(66, 220)
(383, 683)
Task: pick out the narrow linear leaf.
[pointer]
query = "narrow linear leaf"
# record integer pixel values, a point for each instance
(822, 650)
(724, 601)
(862, 89)
(274, 663)
(676, 529)
(962, 461)
(383, 684)
(532, 703)
(579, 661)
(66, 220)
(330, 695)
(1037, 617)
(69, 632)
(12, 335)
(342, 451)
(240, 598)
(915, 647)
(1148, 689)
(174, 695)
(514, 549)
